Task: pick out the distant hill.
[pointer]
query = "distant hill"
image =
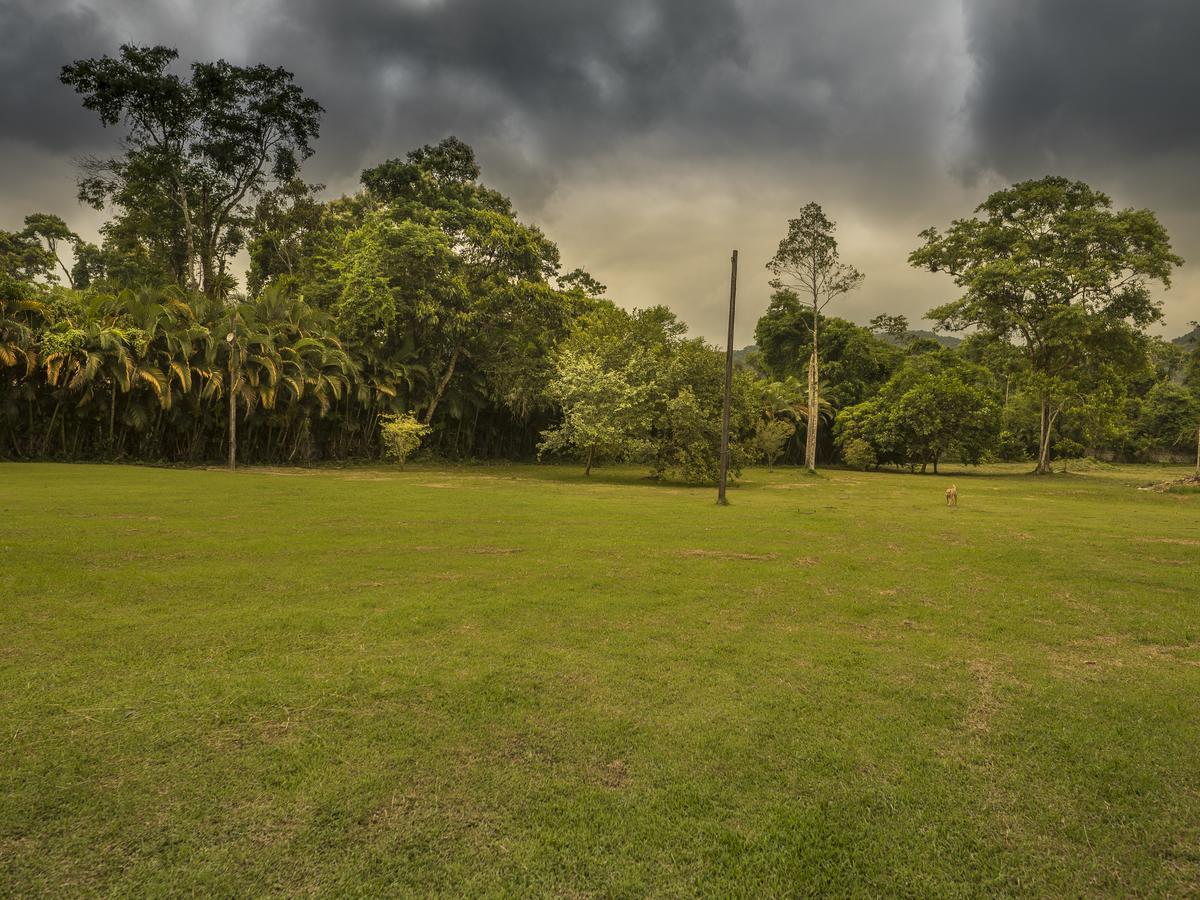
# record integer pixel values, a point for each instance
(914, 333)
(740, 356)
(1189, 340)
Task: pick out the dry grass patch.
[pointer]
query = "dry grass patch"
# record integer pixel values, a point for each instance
(725, 554)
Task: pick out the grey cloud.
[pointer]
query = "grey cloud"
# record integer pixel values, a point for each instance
(650, 136)
(1075, 82)
(38, 38)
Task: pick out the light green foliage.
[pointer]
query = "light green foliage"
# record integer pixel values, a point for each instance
(633, 383)
(605, 417)
(401, 435)
(859, 454)
(146, 373)
(770, 437)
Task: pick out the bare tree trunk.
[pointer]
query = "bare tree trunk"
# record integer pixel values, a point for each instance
(1043, 465)
(587, 470)
(62, 265)
(441, 388)
(189, 237)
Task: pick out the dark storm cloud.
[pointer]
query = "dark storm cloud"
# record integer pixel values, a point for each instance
(539, 85)
(36, 39)
(1079, 82)
(530, 78)
(650, 136)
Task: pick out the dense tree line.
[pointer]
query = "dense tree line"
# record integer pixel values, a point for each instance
(421, 308)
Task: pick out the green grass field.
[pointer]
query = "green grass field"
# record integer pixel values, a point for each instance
(511, 681)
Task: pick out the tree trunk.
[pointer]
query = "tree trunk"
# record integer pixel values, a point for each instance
(587, 470)
(441, 388)
(189, 237)
(112, 414)
(50, 428)
(1047, 421)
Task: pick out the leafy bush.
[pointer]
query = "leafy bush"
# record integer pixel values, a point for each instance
(688, 442)
(858, 454)
(770, 437)
(401, 435)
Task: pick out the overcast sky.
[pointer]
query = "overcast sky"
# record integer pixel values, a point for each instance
(650, 137)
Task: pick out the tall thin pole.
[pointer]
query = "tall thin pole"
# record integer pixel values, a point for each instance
(728, 385)
(231, 339)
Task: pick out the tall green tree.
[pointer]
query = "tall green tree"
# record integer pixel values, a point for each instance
(199, 150)
(808, 263)
(24, 264)
(1051, 268)
(53, 231)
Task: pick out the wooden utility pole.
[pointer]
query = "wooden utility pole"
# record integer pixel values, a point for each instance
(728, 385)
(231, 339)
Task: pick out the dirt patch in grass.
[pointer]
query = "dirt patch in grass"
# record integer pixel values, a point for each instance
(1182, 542)
(724, 554)
(1110, 651)
(983, 710)
(494, 551)
(614, 774)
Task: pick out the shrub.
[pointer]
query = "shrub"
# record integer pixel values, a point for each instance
(858, 454)
(771, 437)
(401, 435)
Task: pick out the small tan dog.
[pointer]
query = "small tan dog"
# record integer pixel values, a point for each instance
(952, 495)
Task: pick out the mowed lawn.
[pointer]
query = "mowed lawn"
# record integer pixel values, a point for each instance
(512, 680)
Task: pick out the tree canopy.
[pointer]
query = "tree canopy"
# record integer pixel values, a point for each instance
(421, 310)
(1051, 268)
